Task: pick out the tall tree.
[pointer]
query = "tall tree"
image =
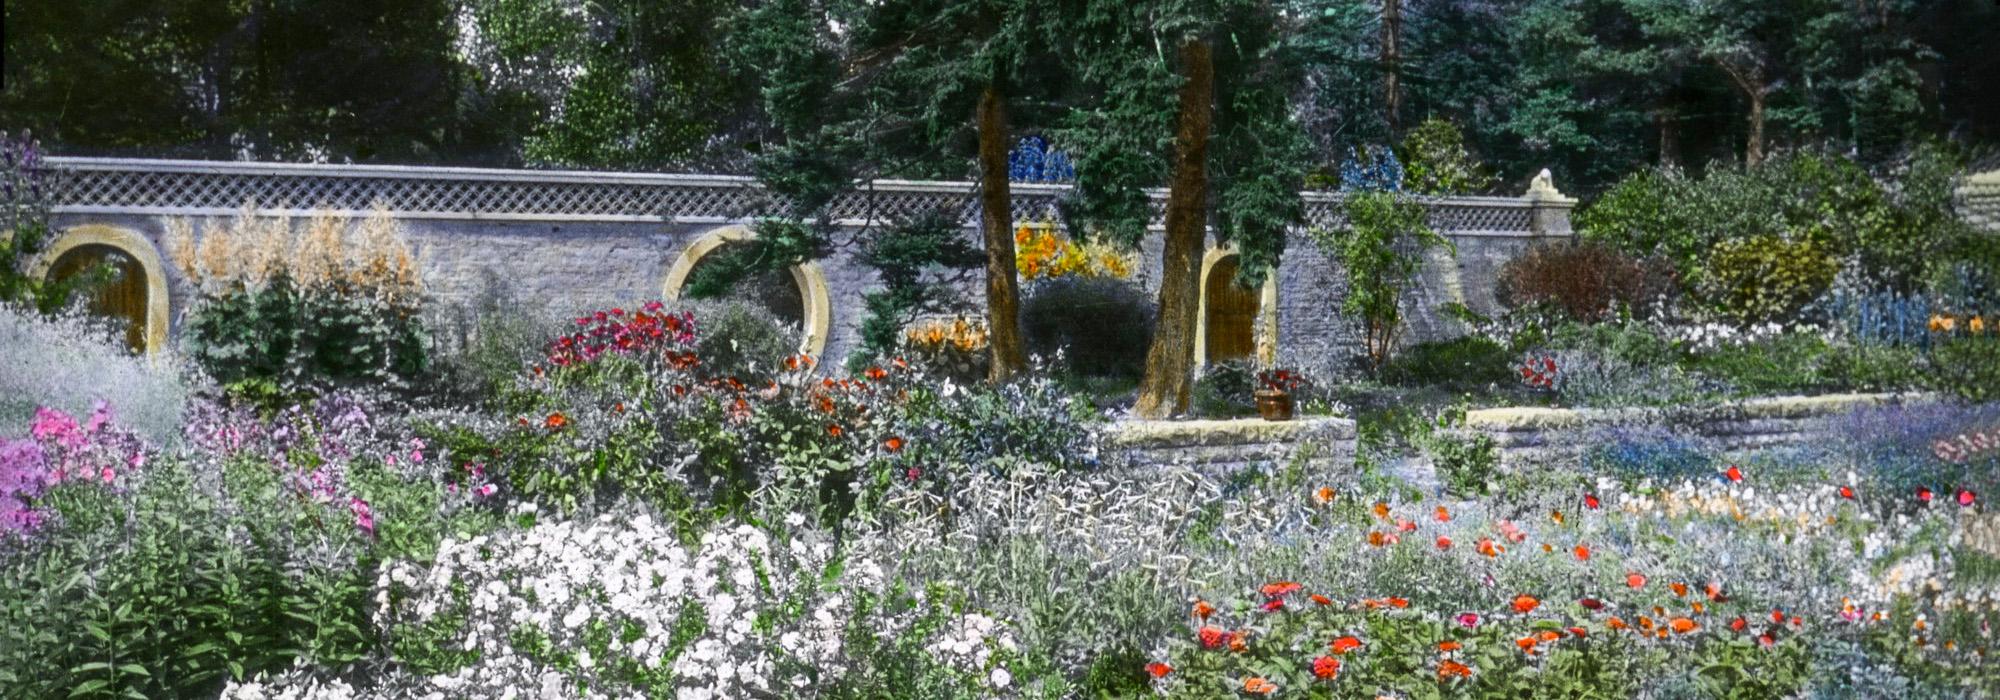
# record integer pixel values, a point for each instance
(1216, 112)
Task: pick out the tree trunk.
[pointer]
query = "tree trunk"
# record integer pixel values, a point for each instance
(1753, 152)
(996, 223)
(1392, 57)
(1170, 360)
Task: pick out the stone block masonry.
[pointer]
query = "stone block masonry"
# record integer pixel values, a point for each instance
(569, 241)
(1222, 446)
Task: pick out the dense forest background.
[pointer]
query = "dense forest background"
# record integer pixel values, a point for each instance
(1593, 89)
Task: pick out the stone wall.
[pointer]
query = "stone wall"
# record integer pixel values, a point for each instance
(559, 242)
(1531, 437)
(1220, 446)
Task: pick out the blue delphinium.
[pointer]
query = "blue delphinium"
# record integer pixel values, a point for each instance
(1378, 171)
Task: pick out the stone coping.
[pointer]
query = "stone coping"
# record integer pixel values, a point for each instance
(1542, 418)
(1240, 431)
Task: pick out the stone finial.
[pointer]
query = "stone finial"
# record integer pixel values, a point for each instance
(1543, 186)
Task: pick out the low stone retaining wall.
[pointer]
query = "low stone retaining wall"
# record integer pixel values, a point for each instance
(1227, 445)
(1541, 436)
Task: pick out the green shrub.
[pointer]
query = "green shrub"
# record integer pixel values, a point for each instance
(340, 306)
(741, 340)
(1101, 326)
(1766, 279)
(1225, 390)
(1465, 362)
(1380, 251)
(1966, 367)
(1466, 463)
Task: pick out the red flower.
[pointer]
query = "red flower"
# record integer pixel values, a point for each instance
(1468, 619)
(1321, 600)
(833, 430)
(1158, 670)
(1326, 668)
(1345, 644)
(1202, 609)
(1444, 542)
(1525, 604)
(1212, 638)
(1636, 580)
(1966, 497)
(1591, 501)
(877, 373)
(1582, 553)
(1733, 474)
(1278, 588)
(1738, 624)
(1578, 632)
(1591, 603)
(1274, 605)
(1847, 493)
(556, 421)
(893, 444)
(1449, 668)
(1923, 495)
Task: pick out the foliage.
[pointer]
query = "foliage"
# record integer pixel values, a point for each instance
(1765, 279)
(1438, 163)
(740, 340)
(1380, 252)
(27, 191)
(1587, 281)
(302, 310)
(1097, 326)
(1224, 390)
(1469, 362)
(1968, 367)
(1466, 463)
(917, 261)
(70, 362)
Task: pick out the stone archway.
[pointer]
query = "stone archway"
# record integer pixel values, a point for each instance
(1232, 322)
(138, 292)
(814, 310)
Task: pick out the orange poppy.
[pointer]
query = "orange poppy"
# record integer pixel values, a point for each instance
(1443, 542)
(1548, 548)
(1395, 602)
(556, 421)
(1322, 600)
(1449, 668)
(1738, 624)
(1697, 606)
(1680, 589)
(1636, 580)
(1487, 547)
(1278, 588)
(893, 444)
(1443, 516)
(1582, 553)
(1324, 495)
(1525, 603)
(1645, 623)
(1449, 646)
(1345, 644)
(1158, 670)
(1715, 592)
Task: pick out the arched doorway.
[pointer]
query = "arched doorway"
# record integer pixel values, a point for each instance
(136, 292)
(1231, 314)
(772, 290)
(796, 296)
(120, 296)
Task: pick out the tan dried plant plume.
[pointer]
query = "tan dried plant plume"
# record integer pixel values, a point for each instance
(320, 258)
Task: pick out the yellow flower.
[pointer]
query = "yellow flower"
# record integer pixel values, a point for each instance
(1975, 326)
(1942, 323)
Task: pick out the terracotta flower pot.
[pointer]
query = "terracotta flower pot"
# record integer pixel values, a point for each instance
(1273, 404)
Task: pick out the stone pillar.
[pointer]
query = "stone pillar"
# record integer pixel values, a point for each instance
(1548, 208)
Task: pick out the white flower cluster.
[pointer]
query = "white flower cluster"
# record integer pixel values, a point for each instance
(299, 683)
(968, 644)
(629, 581)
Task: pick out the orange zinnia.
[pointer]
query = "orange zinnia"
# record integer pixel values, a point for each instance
(893, 444)
(1582, 553)
(1487, 547)
(1158, 670)
(1345, 644)
(1680, 589)
(1238, 642)
(1527, 644)
(1449, 668)
(1202, 609)
(1382, 509)
(1548, 635)
(1525, 603)
(556, 421)
(833, 430)
(1449, 646)
(1395, 602)
(1259, 686)
(1324, 495)
(1443, 516)
(1682, 625)
(1616, 624)
(1635, 579)
(1322, 600)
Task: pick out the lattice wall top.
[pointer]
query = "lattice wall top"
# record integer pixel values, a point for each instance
(213, 188)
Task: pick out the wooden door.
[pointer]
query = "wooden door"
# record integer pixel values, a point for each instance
(1232, 313)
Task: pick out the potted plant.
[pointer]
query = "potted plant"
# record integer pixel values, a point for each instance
(1274, 393)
